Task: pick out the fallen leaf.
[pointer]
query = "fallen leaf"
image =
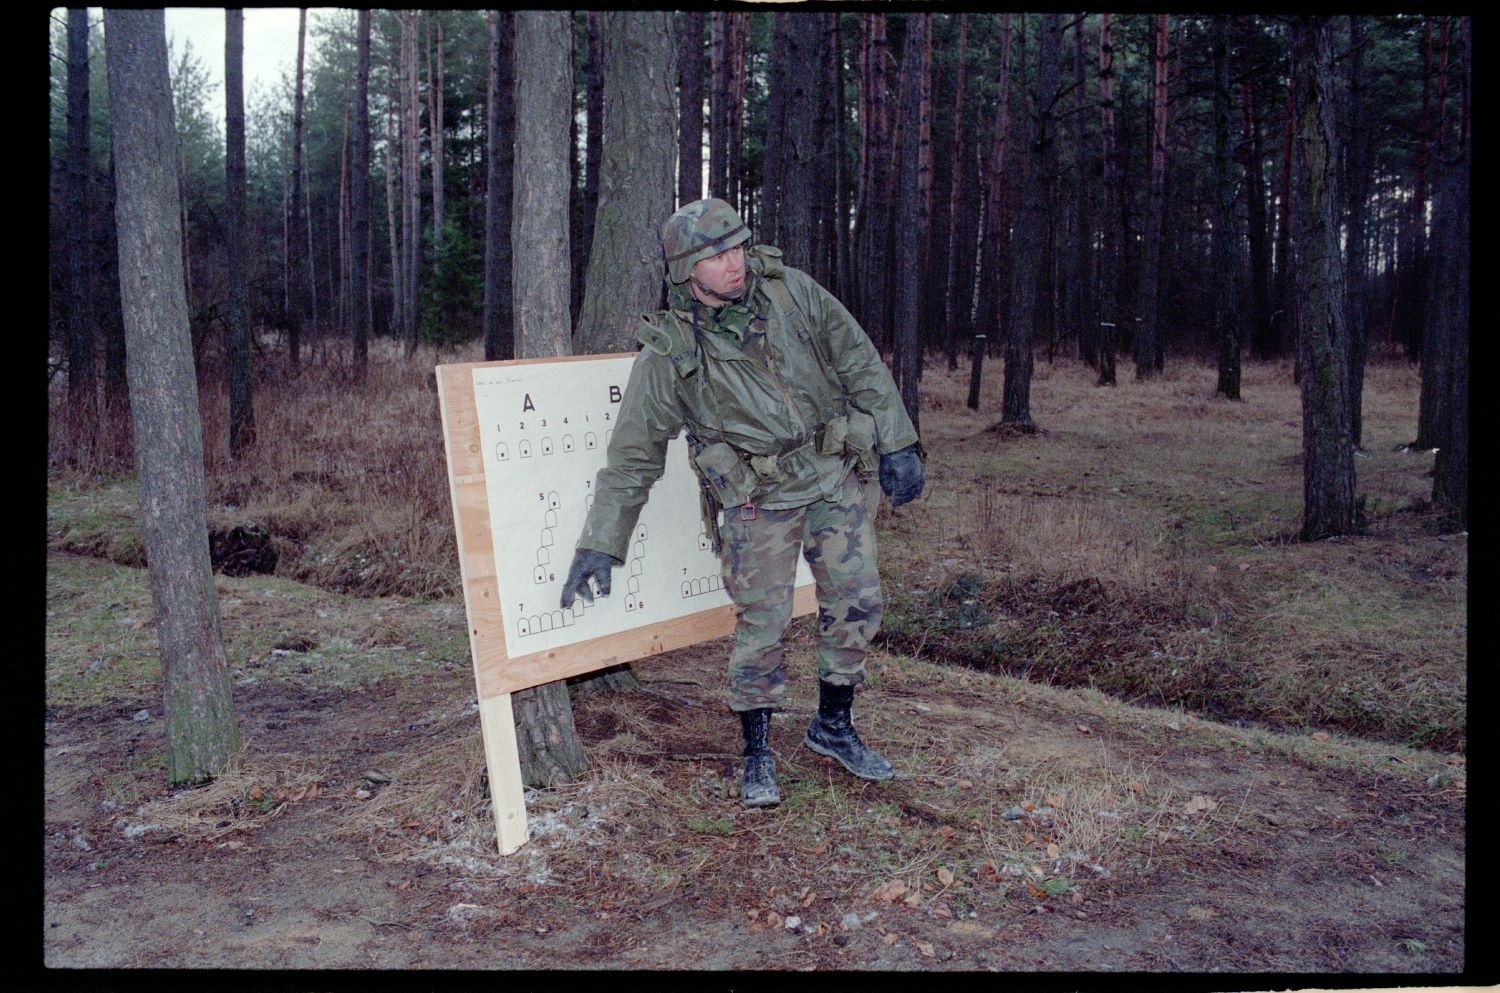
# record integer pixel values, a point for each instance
(1053, 851)
(890, 891)
(822, 929)
(890, 939)
(945, 831)
(925, 948)
(966, 784)
(774, 919)
(945, 876)
(752, 913)
(1320, 736)
(1137, 788)
(1084, 729)
(914, 900)
(1201, 913)
(942, 911)
(1028, 805)
(807, 900)
(256, 793)
(755, 927)
(1244, 566)
(1053, 800)
(405, 886)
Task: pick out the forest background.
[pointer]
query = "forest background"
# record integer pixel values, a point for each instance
(1071, 187)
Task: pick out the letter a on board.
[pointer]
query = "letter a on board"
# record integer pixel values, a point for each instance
(527, 404)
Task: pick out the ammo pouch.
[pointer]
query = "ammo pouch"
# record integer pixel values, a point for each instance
(724, 473)
(859, 441)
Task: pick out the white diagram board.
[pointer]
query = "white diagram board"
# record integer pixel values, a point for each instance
(544, 432)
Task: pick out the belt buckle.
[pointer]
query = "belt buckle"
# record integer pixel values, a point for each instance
(747, 511)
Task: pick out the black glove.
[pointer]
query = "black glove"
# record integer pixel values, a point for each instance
(587, 564)
(901, 475)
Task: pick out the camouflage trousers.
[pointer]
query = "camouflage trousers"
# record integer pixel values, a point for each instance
(759, 560)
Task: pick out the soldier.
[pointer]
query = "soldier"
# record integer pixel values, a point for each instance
(788, 411)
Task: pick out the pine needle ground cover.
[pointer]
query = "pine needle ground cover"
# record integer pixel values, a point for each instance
(1136, 725)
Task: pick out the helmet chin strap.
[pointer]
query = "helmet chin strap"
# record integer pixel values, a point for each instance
(718, 296)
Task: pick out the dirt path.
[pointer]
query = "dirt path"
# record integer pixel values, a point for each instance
(1301, 865)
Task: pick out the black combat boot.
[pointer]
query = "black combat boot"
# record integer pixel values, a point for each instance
(758, 781)
(832, 733)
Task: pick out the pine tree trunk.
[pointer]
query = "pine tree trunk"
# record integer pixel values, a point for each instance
(718, 106)
(116, 387)
(359, 202)
(1225, 257)
(549, 748)
(1262, 343)
(909, 219)
(499, 157)
(995, 264)
(1322, 352)
(392, 166)
(202, 734)
(1082, 283)
(1036, 207)
(435, 123)
(1356, 198)
(593, 154)
(625, 270)
(296, 306)
(83, 383)
(1448, 307)
(411, 185)
(241, 408)
(739, 36)
(1147, 332)
(1109, 256)
(690, 115)
(876, 313)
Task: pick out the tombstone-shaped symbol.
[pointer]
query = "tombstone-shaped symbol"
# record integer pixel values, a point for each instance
(550, 519)
(525, 626)
(703, 542)
(687, 589)
(543, 556)
(588, 503)
(590, 441)
(523, 448)
(630, 602)
(636, 568)
(608, 435)
(502, 452)
(634, 585)
(567, 444)
(546, 537)
(640, 532)
(539, 574)
(546, 446)
(552, 501)
(640, 549)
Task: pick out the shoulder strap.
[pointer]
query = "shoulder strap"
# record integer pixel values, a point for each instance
(781, 296)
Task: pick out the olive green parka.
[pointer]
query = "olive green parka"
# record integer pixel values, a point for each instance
(776, 422)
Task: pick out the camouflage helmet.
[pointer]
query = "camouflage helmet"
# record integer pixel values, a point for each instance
(699, 230)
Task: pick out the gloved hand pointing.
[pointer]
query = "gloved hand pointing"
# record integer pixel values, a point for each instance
(587, 564)
(901, 475)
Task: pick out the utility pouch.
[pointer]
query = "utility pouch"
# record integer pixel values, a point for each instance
(834, 436)
(860, 441)
(767, 468)
(730, 481)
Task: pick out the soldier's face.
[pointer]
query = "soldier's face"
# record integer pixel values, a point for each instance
(721, 277)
